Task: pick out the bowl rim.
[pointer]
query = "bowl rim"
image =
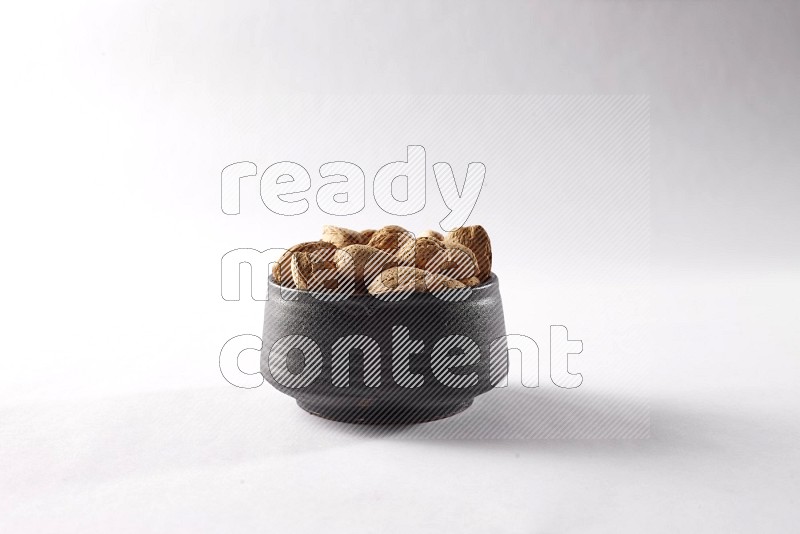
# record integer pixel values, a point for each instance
(490, 283)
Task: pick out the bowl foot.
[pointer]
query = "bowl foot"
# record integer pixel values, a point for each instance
(354, 412)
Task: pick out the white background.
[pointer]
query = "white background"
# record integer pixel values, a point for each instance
(117, 119)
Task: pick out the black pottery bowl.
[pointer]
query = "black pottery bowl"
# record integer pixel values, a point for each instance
(367, 360)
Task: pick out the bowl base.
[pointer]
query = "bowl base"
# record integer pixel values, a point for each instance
(383, 415)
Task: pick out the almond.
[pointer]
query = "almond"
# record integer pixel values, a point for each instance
(471, 282)
(367, 261)
(432, 233)
(407, 279)
(341, 237)
(438, 282)
(455, 261)
(282, 270)
(301, 269)
(366, 235)
(305, 265)
(419, 252)
(476, 239)
(390, 238)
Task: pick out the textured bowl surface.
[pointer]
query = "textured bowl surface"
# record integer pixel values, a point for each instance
(365, 360)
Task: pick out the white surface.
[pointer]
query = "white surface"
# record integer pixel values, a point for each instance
(722, 453)
(117, 119)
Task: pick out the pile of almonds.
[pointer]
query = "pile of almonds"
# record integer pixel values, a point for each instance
(387, 260)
